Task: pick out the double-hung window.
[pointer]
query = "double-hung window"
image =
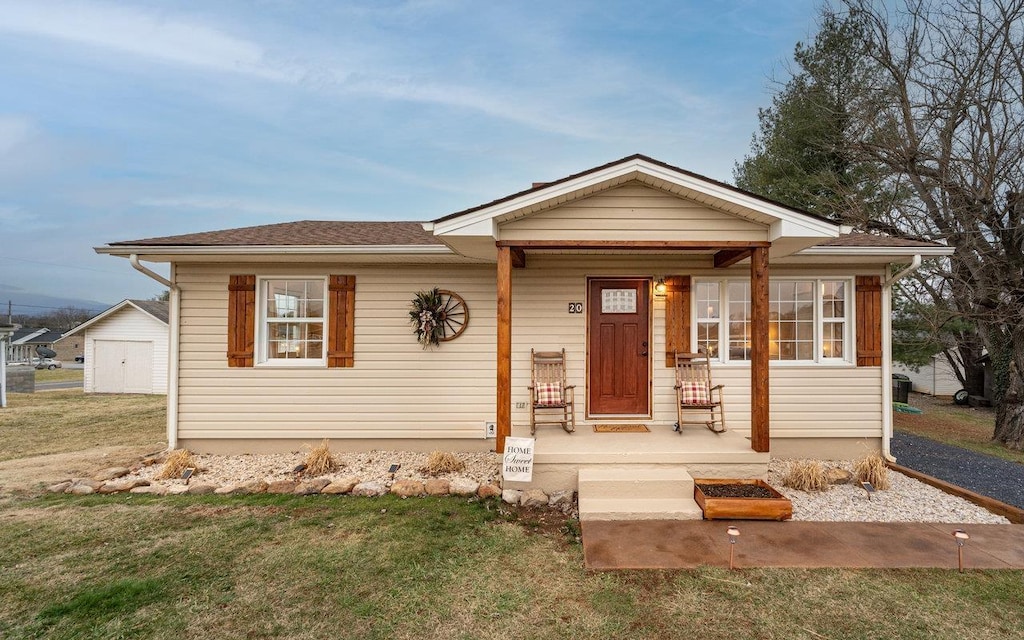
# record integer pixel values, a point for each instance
(292, 321)
(808, 319)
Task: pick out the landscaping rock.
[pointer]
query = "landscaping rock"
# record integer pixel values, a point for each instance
(369, 489)
(282, 486)
(110, 473)
(344, 485)
(226, 490)
(534, 498)
(511, 496)
(407, 488)
(311, 487)
(177, 489)
(836, 475)
(150, 489)
(59, 487)
(463, 487)
(488, 491)
(117, 486)
(559, 499)
(79, 489)
(437, 487)
(200, 489)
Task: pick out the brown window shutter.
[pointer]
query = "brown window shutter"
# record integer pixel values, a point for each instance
(341, 330)
(869, 321)
(677, 317)
(241, 320)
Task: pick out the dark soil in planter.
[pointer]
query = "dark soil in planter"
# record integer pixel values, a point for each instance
(735, 491)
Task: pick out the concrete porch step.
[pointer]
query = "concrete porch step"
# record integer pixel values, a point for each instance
(637, 492)
(594, 509)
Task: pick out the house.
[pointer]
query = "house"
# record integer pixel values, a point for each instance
(125, 348)
(287, 333)
(25, 340)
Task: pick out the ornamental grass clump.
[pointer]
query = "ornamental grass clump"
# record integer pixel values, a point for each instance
(442, 462)
(176, 463)
(320, 461)
(806, 475)
(871, 468)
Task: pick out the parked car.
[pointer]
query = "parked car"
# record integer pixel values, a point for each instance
(47, 363)
(80, 359)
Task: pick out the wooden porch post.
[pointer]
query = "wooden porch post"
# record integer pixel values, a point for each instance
(504, 388)
(759, 436)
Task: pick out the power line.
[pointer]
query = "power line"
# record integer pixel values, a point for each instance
(63, 266)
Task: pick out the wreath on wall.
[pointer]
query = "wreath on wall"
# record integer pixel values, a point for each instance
(438, 315)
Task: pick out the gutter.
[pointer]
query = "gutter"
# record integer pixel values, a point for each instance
(174, 309)
(887, 285)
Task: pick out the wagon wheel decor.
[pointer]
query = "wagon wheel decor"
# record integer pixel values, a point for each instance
(437, 316)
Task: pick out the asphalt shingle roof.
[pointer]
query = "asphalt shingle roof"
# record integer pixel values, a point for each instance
(159, 309)
(302, 233)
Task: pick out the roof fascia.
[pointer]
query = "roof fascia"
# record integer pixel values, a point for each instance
(637, 166)
(126, 250)
(931, 252)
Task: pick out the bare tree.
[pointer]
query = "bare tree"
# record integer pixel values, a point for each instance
(946, 122)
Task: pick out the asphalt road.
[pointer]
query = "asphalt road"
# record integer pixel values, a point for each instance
(993, 477)
(53, 386)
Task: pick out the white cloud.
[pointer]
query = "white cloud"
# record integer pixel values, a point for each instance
(14, 132)
(133, 31)
(236, 205)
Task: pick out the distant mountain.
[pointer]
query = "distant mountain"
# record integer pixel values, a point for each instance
(24, 303)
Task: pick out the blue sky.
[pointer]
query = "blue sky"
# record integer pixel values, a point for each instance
(128, 120)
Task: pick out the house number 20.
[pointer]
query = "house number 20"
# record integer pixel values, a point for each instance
(575, 307)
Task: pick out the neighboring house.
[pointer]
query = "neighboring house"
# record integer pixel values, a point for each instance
(125, 348)
(288, 333)
(25, 340)
(937, 378)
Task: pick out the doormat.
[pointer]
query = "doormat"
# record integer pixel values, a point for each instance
(621, 428)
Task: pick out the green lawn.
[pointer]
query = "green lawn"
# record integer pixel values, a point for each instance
(342, 567)
(59, 375)
(967, 427)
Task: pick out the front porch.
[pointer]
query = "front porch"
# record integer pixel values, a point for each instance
(621, 476)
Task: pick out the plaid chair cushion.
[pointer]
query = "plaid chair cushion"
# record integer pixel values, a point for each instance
(549, 394)
(693, 393)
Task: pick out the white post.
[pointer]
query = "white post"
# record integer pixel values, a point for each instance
(5, 332)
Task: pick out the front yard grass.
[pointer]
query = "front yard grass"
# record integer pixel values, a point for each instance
(63, 421)
(340, 567)
(966, 427)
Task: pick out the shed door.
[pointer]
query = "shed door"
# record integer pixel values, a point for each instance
(619, 347)
(122, 366)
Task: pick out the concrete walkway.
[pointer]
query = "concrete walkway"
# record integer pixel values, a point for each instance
(686, 544)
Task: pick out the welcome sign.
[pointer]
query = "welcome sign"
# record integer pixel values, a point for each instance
(517, 465)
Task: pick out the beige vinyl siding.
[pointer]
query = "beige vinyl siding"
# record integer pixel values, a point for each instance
(633, 212)
(129, 325)
(395, 390)
(398, 390)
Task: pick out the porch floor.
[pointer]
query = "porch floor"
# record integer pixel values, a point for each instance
(662, 445)
(559, 457)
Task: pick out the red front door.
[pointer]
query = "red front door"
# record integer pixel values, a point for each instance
(619, 346)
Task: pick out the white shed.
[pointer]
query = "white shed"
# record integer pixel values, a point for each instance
(937, 378)
(126, 348)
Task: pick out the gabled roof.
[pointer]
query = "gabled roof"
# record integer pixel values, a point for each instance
(546, 186)
(48, 337)
(302, 233)
(158, 310)
(25, 334)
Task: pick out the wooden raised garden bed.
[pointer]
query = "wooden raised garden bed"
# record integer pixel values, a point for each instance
(729, 499)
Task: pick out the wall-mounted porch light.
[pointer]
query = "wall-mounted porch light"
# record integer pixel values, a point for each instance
(660, 288)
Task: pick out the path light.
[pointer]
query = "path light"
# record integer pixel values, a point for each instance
(733, 534)
(961, 537)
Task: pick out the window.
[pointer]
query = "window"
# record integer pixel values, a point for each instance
(807, 319)
(292, 313)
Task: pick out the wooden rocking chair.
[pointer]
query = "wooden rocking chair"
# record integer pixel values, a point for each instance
(695, 393)
(548, 390)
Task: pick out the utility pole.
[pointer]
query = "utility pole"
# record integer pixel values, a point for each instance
(10, 317)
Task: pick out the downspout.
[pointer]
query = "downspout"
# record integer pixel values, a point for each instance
(174, 304)
(887, 354)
